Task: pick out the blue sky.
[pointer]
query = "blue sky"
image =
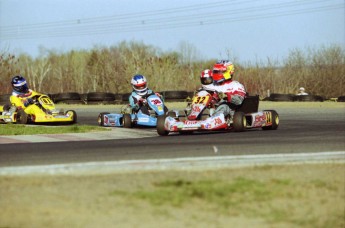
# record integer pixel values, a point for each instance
(246, 30)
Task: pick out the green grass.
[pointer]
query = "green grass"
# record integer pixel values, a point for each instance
(18, 129)
(223, 194)
(276, 200)
(305, 195)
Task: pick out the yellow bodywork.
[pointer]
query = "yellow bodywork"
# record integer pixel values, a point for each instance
(41, 111)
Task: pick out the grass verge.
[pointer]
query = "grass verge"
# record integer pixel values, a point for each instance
(306, 195)
(18, 129)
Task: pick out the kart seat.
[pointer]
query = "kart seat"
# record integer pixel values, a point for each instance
(250, 104)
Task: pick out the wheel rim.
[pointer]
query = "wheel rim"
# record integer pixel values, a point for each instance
(244, 121)
(276, 120)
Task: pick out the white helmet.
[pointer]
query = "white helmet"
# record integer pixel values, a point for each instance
(139, 84)
(206, 77)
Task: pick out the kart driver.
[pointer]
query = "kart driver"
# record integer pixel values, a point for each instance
(206, 80)
(21, 95)
(232, 91)
(137, 99)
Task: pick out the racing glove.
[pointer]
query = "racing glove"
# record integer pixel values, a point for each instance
(142, 101)
(28, 102)
(222, 95)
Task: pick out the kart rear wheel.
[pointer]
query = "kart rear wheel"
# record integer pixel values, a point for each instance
(22, 117)
(275, 121)
(100, 118)
(239, 121)
(75, 118)
(127, 121)
(160, 126)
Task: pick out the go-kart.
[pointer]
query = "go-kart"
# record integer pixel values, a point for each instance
(40, 110)
(152, 103)
(200, 116)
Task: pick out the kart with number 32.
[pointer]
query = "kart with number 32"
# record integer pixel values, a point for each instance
(200, 116)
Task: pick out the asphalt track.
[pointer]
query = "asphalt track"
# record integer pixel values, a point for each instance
(300, 131)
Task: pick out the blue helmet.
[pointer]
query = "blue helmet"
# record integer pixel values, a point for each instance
(139, 84)
(19, 84)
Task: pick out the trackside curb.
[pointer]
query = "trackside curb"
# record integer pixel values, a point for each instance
(195, 163)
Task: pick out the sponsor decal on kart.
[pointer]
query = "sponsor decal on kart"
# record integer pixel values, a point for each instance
(218, 121)
(58, 117)
(45, 100)
(207, 126)
(196, 109)
(260, 119)
(191, 124)
(143, 119)
(155, 101)
(268, 118)
(112, 120)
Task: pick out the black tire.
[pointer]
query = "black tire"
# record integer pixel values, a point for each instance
(275, 121)
(83, 97)
(341, 99)
(75, 117)
(172, 114)
(308, 98)
(171, 95)
(66, 97)
(6, 107)
(100, 96)
(127, 121)
(118, 97)
(160, 126)
(100, 118)
(125, 97)
(239, 121)
(22, 117)
(281, 97)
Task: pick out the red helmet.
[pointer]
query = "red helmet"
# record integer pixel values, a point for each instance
(223, 70)
(206, 77)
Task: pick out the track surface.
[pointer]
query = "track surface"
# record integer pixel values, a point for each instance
(309, 130)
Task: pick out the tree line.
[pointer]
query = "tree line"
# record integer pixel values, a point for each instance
(109, 69)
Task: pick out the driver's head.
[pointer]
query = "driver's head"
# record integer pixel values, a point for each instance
(139, 84)
(19, 84)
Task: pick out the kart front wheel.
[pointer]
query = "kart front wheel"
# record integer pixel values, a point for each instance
(22, 117)
(127, 121)
(160, 126)
(100, 118)
(239, 121)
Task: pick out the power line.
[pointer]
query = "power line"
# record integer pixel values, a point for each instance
(169, 22)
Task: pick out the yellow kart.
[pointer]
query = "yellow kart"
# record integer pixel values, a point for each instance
(41, 110)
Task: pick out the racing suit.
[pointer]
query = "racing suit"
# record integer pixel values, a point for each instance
(22, 100)
(233, 92)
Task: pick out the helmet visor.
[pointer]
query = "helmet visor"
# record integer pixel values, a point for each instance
(206, 81)
(22, 89)
(218, 71)
(139, 87)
